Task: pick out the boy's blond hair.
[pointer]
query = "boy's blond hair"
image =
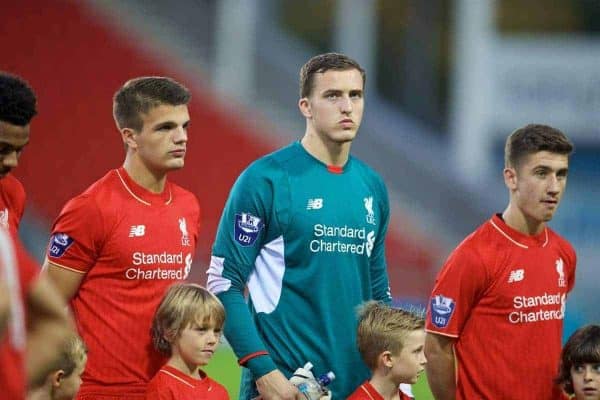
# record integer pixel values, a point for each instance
(73, 353)
(182, 305)
(384, 328)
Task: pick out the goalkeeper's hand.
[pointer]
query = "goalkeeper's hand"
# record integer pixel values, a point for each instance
(302, 376)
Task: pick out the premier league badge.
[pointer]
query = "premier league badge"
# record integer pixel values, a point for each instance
(59, 243)
(442, 309)
(246, 229)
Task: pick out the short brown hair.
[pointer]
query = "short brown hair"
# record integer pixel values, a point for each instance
(384, 328)
(139, 95)
(182, 305)
(533, 138)
(72, 354)
(582, 347)
(324, 62)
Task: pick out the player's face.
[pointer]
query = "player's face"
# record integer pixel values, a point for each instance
(408, 365)
(197, 344)
(538, 184)
(69, 386)
(13, 139)
(161, 143)
(334, 108)
(586, 381)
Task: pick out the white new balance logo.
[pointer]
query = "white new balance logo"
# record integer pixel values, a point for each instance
(314, 204)
(516, 275)
(137, 230)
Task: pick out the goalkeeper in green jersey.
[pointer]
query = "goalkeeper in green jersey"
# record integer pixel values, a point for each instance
(303, 230)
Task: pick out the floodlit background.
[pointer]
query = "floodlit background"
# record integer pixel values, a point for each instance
(447, 81)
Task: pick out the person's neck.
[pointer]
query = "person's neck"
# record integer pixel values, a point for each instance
(139, 172)
(385, 387)
(43, 392)
(326, 151)
(192, 370)
(517, 220)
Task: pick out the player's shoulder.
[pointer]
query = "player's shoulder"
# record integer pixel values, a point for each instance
(279, 159)
(368, 173)
(480, 237)
(184, 195)
(99, 196)
(474, 247)
(562, 243)
(271, 167)
(13, 188)
(10, 182)
(105, 186)
(364, 168)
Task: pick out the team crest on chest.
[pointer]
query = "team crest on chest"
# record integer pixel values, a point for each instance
(185, 237)
(560, 269)
(368, 201)
(4, 218)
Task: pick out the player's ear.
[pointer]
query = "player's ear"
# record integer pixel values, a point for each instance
(510, 178)
(129, 137)
(57, 377)
(304, 106)
(385, 359)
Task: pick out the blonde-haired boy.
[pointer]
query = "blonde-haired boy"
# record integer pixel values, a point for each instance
(64, 381)
(390, 341)
(187, 327)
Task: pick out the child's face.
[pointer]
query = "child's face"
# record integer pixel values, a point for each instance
(197, 343)
(586, 381)
(69, 386)
(411, 361)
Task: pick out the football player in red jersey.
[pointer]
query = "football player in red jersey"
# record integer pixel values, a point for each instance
(496, 310)
(119, 245)
(17, 108)
(38, 323)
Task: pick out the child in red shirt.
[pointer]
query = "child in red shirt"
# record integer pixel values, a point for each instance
(187, 327)
(390, 341)
(64, 381)
(579, 372)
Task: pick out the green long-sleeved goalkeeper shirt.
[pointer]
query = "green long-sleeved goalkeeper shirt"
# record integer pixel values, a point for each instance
(307, 240)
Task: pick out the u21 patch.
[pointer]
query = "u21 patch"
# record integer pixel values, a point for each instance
(441, 310)
(247, 227)
(59, 243)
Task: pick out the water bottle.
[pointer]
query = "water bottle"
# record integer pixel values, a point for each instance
(311, 388)
(325, 379)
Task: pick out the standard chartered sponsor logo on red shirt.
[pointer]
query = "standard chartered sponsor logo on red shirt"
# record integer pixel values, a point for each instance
(161, 266)
(537, 308)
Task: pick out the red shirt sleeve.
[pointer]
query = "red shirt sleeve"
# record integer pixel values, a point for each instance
(458, 287)
(77, 235)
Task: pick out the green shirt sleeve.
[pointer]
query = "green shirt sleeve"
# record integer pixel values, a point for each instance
(247, 223)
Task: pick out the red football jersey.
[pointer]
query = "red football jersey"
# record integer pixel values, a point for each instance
(366, 391)
(171, 384)
(12, 203)
(502, 295)
(18, 271)
(131, 245)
